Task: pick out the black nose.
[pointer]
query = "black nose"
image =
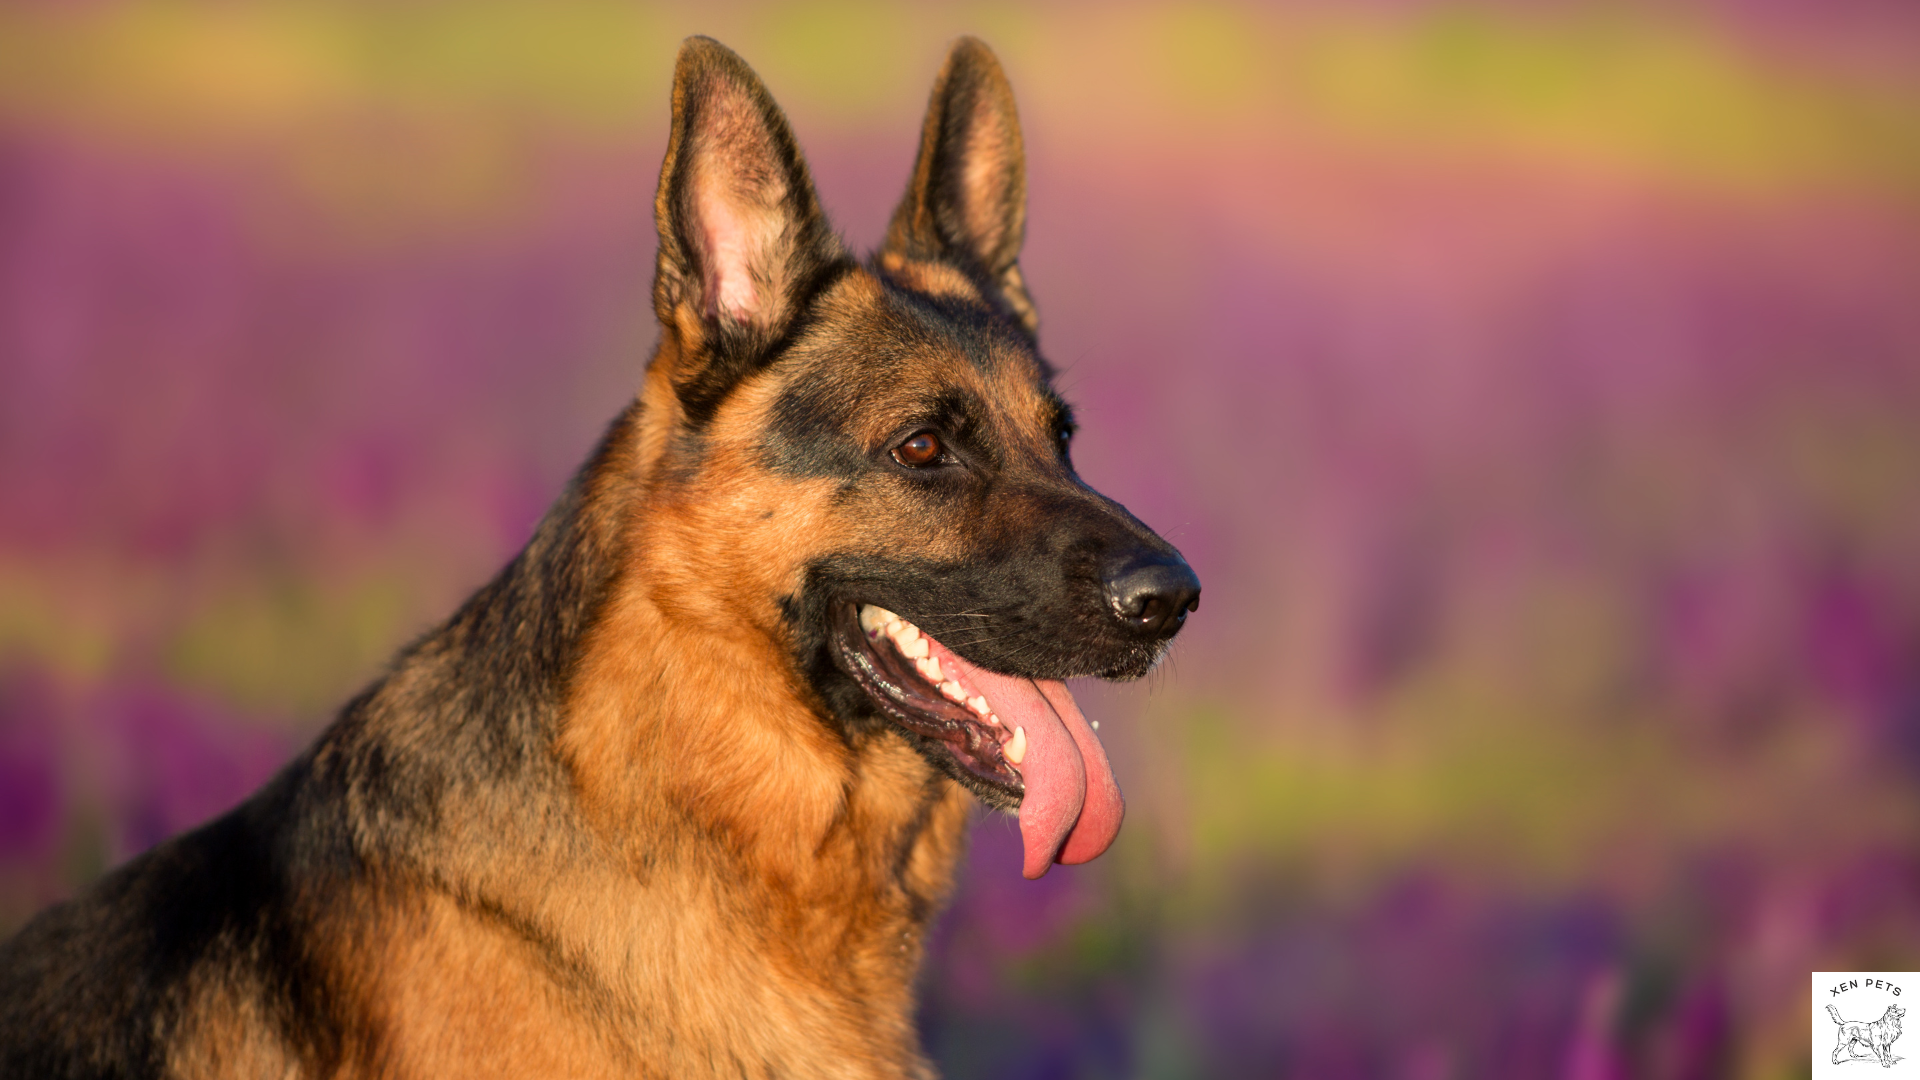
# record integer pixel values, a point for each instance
(1154, 594)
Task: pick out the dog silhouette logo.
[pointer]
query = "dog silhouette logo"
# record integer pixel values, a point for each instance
(1864, 1040)
(1858, 1017)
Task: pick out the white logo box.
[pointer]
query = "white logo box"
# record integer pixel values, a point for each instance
(1874, 1035)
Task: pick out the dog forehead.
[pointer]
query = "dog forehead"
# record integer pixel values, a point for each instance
(877, 356)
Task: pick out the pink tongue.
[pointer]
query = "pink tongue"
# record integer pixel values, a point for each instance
(1073, 807)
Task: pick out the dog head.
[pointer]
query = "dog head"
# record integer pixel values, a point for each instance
(868, 463)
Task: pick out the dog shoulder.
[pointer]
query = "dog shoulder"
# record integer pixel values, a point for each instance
(177, 961)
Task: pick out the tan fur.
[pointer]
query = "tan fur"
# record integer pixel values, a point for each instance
(932, 278)
(224, 1034)
(601, 823)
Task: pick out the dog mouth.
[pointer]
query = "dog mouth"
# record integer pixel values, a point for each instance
(1018, 742)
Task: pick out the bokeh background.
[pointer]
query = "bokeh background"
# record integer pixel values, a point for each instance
(1536, 388)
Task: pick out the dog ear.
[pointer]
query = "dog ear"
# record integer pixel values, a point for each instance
(743, 241)
(967, 201)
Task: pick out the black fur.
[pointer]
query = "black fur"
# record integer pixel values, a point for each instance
(215, 900)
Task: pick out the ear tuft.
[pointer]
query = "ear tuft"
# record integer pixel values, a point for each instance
(967, 200)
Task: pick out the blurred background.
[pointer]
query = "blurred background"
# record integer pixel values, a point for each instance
(1536, 389)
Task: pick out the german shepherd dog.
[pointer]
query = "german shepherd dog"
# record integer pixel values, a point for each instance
(678, 792)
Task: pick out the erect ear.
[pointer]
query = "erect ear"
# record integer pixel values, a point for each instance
(967, 201)
(743, 242)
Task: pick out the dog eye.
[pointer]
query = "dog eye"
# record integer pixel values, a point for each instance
(922, 450)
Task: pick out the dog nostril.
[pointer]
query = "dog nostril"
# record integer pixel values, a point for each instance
(1154, 594)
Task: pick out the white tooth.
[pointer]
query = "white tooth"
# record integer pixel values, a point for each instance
(912, 650)
(929, 669)
(953, 690)
(978, 704)
(1017, 747)
(873, 618)
(905, 632)
(994, 719)
(1096, 725)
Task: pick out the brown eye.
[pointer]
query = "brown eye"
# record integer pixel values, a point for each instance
(922, 449)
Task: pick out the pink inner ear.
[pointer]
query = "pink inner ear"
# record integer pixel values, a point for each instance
(984, 178)
(729, 245)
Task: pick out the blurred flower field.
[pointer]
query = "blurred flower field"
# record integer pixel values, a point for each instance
(1535, 389)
